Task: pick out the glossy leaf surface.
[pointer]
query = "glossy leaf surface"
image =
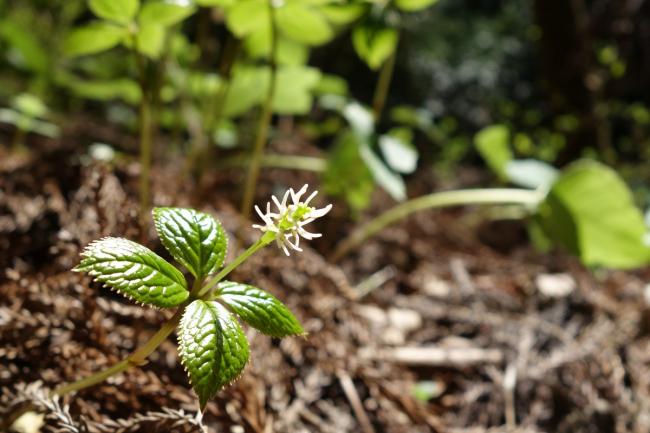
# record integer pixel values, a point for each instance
(212, 346)
(259, 309)
(134, 271)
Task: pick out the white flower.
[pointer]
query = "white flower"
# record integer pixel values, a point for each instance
(289, 220)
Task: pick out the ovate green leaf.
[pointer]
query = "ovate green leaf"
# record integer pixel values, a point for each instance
(93, 38)
(150, 39)
(374, 44)
(398, 151)
(302, 23)
(493, 144)
(165, 14)
(121, 11)
(259, 309)
(212, 346)
(293, 90)
(590, 211)
(246, 16)
(193, 238)
(414, 5)
(347, 175)
(134, 271)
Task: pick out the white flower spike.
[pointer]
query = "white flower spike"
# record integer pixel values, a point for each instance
(288, 221)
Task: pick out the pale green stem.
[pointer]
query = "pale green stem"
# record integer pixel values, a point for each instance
(266, 239)
(274, 160)
(138, 357)
(383, 86)
(264, 123)
(436, 200)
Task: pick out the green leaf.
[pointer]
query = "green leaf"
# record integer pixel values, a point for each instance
(134, 271)
(293, 90)
(212, 346)
(302, 23)
(93, 38)
(121, 11)
(400, 154)
(392, 183)
(104, 90)
(347, 175)
(590, 211)
(531, 173)
(259, 309)
(342, 14)
(151, 39)
(374, 44)
(246, 16)
(493, 144)
(194, 239)
(414, 5)
(32, 54)
(244, 92)
(165, 14)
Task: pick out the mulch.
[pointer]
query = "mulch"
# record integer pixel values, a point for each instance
(436, 301)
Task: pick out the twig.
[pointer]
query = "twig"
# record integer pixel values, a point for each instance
(355, 401)
(439, 356)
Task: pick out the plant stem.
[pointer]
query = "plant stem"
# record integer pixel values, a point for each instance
(145, 135)
(383, 85)
(274, 160)
(145, 155)
(432, 201)
(138, 357)
(261, 242)
(265, 121)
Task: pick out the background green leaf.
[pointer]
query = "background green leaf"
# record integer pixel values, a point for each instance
(212, 346)
(259, 309)
(121, 11)
(493, 144)
(246, 16)
(150, 39)
(374, 44)
(93, 38)
(193, 238)
(165, 14)
(302, 23)
(590, 211)
(414, 5)
(134, 271)
(293, 90)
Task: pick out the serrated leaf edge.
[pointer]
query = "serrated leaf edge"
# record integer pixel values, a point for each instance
(86, 254)
(181, 353)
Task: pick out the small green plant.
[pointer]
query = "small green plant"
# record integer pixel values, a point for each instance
(212, 346)
(25, 114)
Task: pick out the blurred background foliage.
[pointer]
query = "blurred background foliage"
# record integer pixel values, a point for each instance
(415, 80)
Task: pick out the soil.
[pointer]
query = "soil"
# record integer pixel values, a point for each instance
(442, 302)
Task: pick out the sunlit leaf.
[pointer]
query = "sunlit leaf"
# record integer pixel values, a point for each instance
(374, 44)
(165, 14)
(493, 144)
(134, 271)
(121, 11)
(398, 151)
(93, 38)
(302, 23)
(414, 5)
(246, 16)
(212, 346)
(293, 91)
(590, 211)
(194, 239)
(151, 39)
(259, 309)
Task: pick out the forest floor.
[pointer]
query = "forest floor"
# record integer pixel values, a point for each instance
(500, 337)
